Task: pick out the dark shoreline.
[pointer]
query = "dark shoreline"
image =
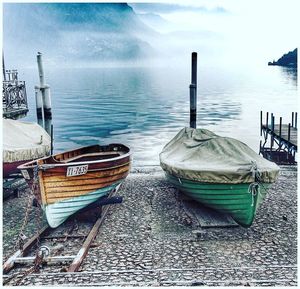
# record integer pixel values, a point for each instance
(287, 60)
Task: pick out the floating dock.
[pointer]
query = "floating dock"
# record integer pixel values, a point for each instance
(282, 139)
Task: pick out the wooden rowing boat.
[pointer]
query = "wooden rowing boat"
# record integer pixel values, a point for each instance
(71, 180)
(220, 172)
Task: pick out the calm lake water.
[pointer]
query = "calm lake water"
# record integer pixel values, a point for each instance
(145, 107)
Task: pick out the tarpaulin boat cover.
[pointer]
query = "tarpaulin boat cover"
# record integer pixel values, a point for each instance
(24, 141)
(201, 155)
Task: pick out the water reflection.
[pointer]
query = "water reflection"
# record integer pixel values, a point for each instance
(145, 107)
(126, 104)
(218, 109)
(290, 74)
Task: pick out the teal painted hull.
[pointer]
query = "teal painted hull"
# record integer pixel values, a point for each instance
(58, 212)
(233, 199)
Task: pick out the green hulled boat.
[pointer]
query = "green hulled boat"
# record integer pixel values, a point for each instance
(220, 172)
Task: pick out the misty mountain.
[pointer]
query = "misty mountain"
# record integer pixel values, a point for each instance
(155, 21)
(171, 7)
(200, 34)
(98, 32)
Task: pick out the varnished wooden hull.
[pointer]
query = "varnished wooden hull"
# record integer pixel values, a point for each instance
(60, 195)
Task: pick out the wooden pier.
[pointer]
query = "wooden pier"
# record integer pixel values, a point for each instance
(282, 139)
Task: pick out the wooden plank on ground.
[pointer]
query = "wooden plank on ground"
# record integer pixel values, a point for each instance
(209, 218)
(13, 186)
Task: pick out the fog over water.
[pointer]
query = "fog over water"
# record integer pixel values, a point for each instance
(120, 73)
(222, 32)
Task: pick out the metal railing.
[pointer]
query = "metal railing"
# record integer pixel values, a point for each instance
(14, 97)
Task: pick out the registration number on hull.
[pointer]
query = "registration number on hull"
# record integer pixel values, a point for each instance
(77, 170)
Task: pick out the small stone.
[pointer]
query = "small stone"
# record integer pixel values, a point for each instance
(198, 283)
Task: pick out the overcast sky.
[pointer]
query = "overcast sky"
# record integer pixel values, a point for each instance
(230, 31)
(260, 29)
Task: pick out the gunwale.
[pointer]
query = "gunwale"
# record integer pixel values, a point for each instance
(57, 163)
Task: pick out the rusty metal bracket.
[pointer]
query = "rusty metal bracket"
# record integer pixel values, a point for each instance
(10, 263)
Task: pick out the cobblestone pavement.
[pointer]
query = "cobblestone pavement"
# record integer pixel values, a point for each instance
(149, 240)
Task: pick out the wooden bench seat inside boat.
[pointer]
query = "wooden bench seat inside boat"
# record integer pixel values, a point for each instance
(91, 157)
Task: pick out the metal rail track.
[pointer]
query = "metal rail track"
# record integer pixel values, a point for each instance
(20, 256)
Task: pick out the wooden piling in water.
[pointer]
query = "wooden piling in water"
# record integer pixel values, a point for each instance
(40, 69)
(193, 92)
(3, 67)
(43, 100)
(51, 149)
(47, 108)
(261, 122)
(45, 89)
(272, 128)
(280, 126)
(39, 106)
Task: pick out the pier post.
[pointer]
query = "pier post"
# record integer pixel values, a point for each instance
(47, 108)
(41, 70)
(271, 120)
(46, 96)
(294, 155)
(289, 132)
(280, 126)
(51, 149)
(261, 115)
(272, 128)
(3, 67)
(267, 120)
(193, 92)
(271, 146)
(39, 106)
(296, 116)
(260, 147)
(292, 119)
